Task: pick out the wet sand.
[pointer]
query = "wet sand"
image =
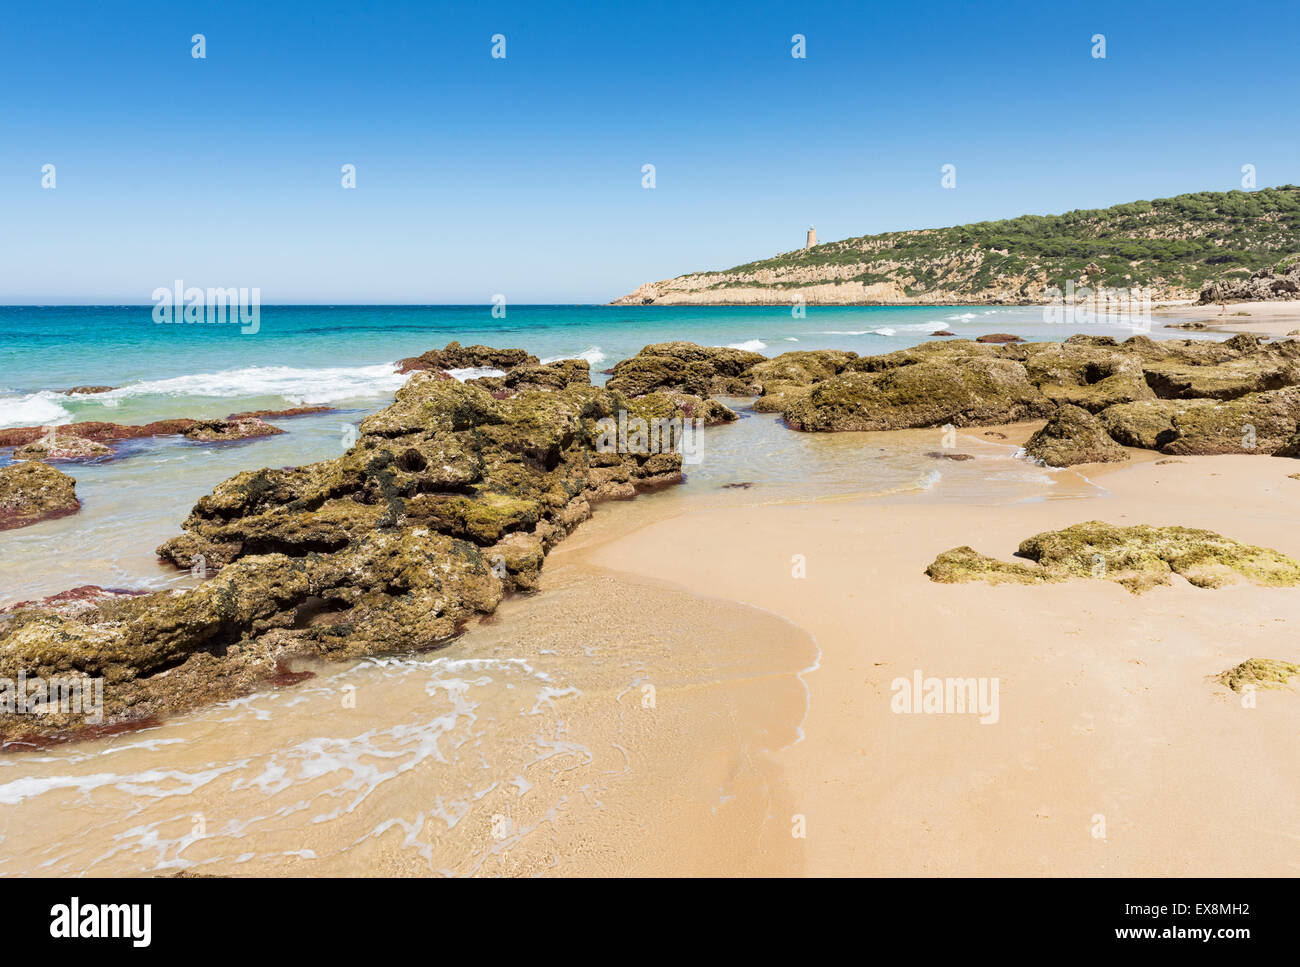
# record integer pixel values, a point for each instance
(604, 726)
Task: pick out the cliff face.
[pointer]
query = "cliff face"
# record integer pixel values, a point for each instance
(1172, 247)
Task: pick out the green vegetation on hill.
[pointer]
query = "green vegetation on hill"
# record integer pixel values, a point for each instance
(1169, 243)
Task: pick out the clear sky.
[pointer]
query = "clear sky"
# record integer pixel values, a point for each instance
(523, 175)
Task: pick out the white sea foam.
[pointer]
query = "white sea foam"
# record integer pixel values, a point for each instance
(297, 386)
(34, 409)
(474, 372)
(753, 345)
(592, 354)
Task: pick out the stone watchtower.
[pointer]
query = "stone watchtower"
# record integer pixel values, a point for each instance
(812, 237)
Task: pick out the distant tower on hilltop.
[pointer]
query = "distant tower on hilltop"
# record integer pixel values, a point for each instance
(812, 237)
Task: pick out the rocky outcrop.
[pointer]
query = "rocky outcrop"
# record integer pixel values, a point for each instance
(456, 356)
(87, 390)
(62, 447)
(96, 431)
(685, 367)
(1071, 437)
(1139, 558)
(91, 440)
(31, 492)
(549, 376)
(1264, 285)
(1089, 372)
(1177, 396)
(227, 431)
(1261, 423)
(449, 500)
(961, 388)
(280, 414)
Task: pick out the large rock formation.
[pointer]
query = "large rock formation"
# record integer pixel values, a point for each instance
(450, 499)
(966, 386)
(1177, 396)
(31, 492)
(1266, 284)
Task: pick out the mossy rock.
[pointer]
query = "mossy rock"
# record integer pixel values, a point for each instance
(800, 367)
(963, 564)
(977, 391)
(31, 492)
(1091, 375)
(684, 367)
(1071, 437)
(1137, 557)
(1258, 423)
(1262, 672)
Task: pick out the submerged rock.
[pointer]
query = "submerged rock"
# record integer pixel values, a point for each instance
(225, 431)
(63, 447)
(1073, 436)
(87, 390)
(1139, 558)
(31, 492)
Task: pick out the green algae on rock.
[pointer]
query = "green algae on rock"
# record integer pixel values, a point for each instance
(31, 492)
(1138, 557)
(969, 391)
(685, 367)
(1263, 672)
(966, 564)
(1073, 436)
(450, 499)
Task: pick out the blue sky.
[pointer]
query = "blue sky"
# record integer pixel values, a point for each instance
(522, 176)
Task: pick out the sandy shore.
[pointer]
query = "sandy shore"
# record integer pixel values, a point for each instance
(1276, 319)
(1113, 752)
